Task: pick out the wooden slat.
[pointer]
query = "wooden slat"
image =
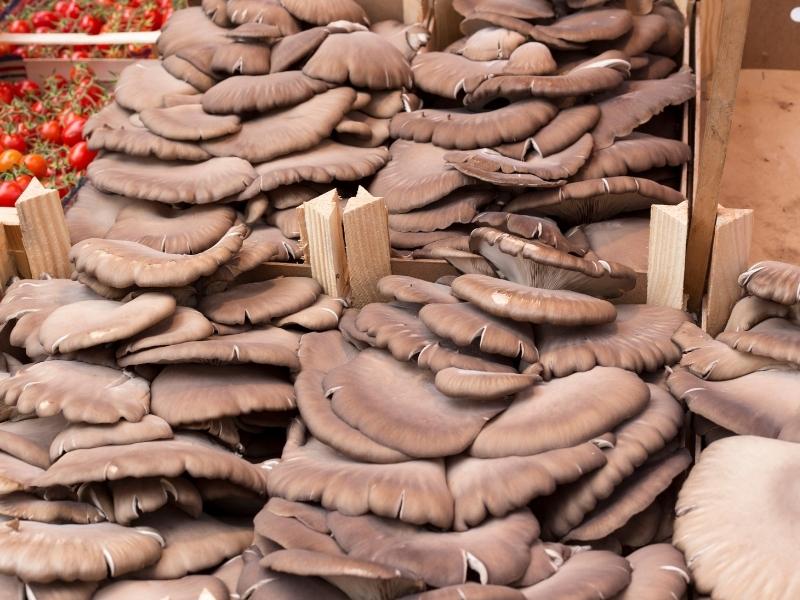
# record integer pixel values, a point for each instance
(429, 269)
(8, 268)
(713, 146)
(366, 238)
(45, 236)
(669, 226)
(729, 258)
(323, 220)
(80, 39)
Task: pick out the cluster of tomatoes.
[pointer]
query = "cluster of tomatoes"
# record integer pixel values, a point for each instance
(87, 16)
(42, 131)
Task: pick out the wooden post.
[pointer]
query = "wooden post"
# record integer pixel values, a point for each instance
(729, 258)
(713, 146)
(8, 267)
(366, 236)
(669, 226)
(325, 243)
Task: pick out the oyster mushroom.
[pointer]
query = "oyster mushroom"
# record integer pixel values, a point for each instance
(188, 122)
(261, 93)
(144, 86)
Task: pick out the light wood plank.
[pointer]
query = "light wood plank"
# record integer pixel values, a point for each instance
(730, 257)
(366, 238)
(8, 267)
(714, 145)
(45, 236)
(669, 226)
(326, 251)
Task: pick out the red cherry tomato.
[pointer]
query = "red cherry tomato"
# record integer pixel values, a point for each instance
(80, 156)
(60, 7)
(73, 132)
(36, 164)
(14, 141)
(134, 3)
(79, 55)
(60, 81)
(23, 181)
(152, 19)
(138, 50)
(6, 49)
(19, 26)
(38, 107)
(67, 116)
(72, 10)
(50, 131)
(89, 95)
(6, 94)
(27, 86)
(9, 192)
(45, 18)
(90, 24)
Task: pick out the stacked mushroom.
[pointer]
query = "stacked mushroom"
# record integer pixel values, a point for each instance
(466, 435)
(542, 110)
(255, 105)
(738, 504)
(133, 445)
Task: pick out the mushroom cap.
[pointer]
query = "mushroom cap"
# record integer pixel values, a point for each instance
(635, 153)
(261, 93)
(29, 439)
(144, 85)
(82, 435)
(287, 130)
(465, 324)
(396, 329)
(496, 552)
(261, 11)
(459, 128)
(590, 25)
(83, 393)
(20, 505)
(93, 213)
(16, 474)
(322, 13)
(722, 505)
(293, 525)
(413, 491)
(121, 264)
(93, 322)
(546, 410)
(416, 176)
(359, 129)
(188, 122)
(457, 207)
(45, 552)
(531, 228)
(490, 43)
(263, 346)
(527, 9)
(497, 486)
(340, 59)
(187, 453)
(533, 305)
(659, 570)
(564, 130)
(261, 301)
(172, 183)
(185, 27)
(752, 310)
(185, 70)
(264, 32)
(448, 75)
(397, 404)
(249, 57)
(259, 583)
(481, 385)
(469, 591)
(412, 290)
(190, 587)
(415, 239)
(322, 315)
(592, 573)
(623, 240)
(773, 280)
(291, 49)
(132, 498)
(184, 325)
(189, 393)
(639, 340)
(531, 58)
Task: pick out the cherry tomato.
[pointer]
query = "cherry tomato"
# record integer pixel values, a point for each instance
(73, 132)
(152, 19)
(61, 7)
(89, 95)
(23, 129)
(81, 73)
(23, 181)
(72, 10)
(45, 18)
(166, 14)
(50, 131)
(62, 192)
(36, 164)
(9, 159)
(80, 156)
(9, 192)
(90, 24)
(14, 141)
(79, 55)
(6, 94)
(38, 107)
(138, 50)
(26, 86)
(19, 26)
(134, 3)
(60, 81)
(6, 49)
(67, 116)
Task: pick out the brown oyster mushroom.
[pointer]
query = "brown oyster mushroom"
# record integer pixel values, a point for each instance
(538, 265)
(639, 340)
(586, 575)
(200, 56)
(292, 196)
(659, 571)
(544, 230)
(737, 478)
(458, 207)
(362, 399)
(465, 130)
(81, 392)
(261, 301)
(186, 27)
(93, 322)
(215, 10)
(595, 199)
(319, 354)
(532, 58)
(396, 329)
(183, 394)
(81, 435)
(259, 11)
(187, 453)
(173, 183)
(28, 439)
(121, 264)
(449, 75)
(416, 176)
(464, 324)
(184, 325)
(636, 102)
(491, 43)
(287, 221)
(190, 587)
(631, 497)
(633, 154)
(293, 525)
(645, 32)
(588, 26)
(497, 486)
(481, 385)
(623, 240)
(496, 552)
(536, 9)
(185, 70)
(772, 280)
(417, 239)
(261, 93)
(752, 310)
(93, 213)
(413, 491)
(470, 591)
(775, 338)
(322, 13)
(285, 131)
(359, 129)
(415, 291)
(564, 130)
(386, 104)
(545, 409)
(20, 505)
(409, 39)
(133, 498)
(327, 162)
(142, 85)
(339, 60)
(188, 122)
(45, 552)
(241, 58)
(290, 50)
(16, 474)
(262, 32)
(356, 578)
(533, 305)
(322, 315)
(760, 403)
(265, 346)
